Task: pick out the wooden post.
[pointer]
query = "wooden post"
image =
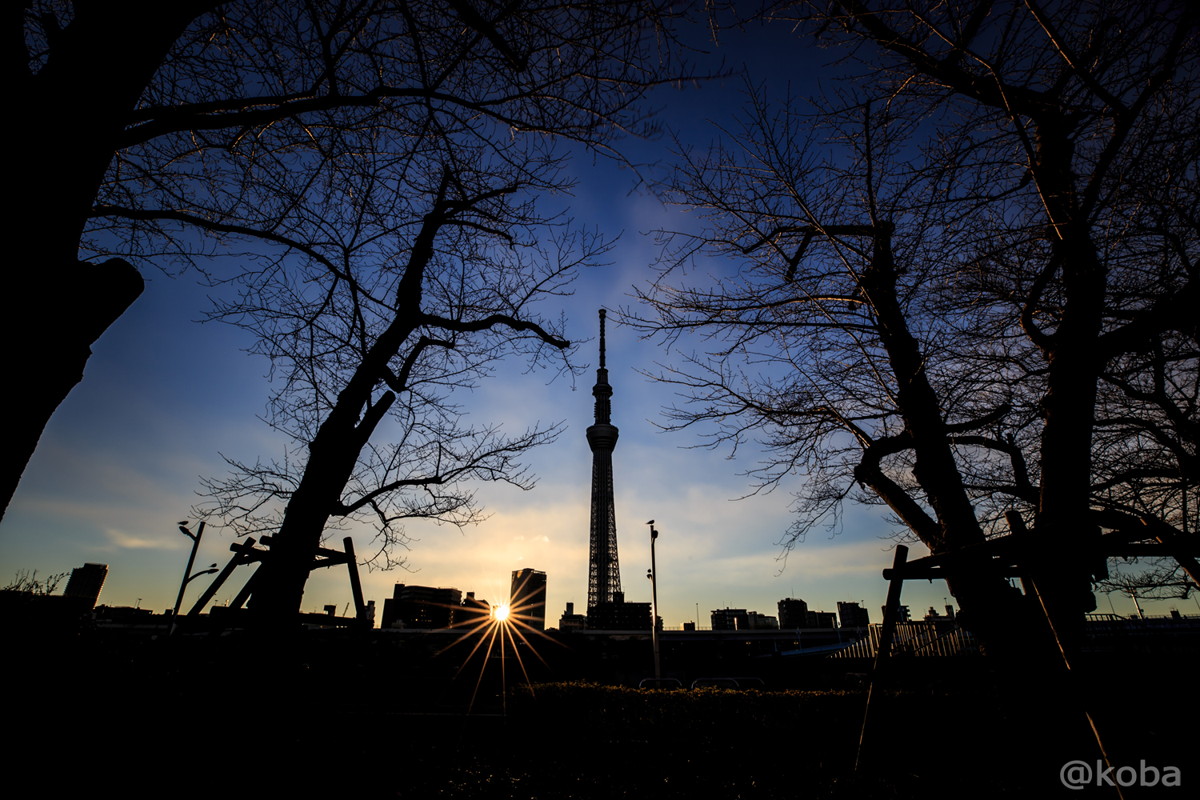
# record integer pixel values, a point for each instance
(241, 552)
(360, 606)
(892, 608)
(890, 612)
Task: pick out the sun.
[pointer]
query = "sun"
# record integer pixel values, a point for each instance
(501, 629)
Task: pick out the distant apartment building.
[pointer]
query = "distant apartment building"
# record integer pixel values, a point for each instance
(761, 622)
(739, 619)
(729, 619)
(821, 619)
(420, 607)
(852, 615)
(934, 616)
(86, 582)
(472, 611)
(527, 597)
(793, 613)
(619, 615)
(570, 621)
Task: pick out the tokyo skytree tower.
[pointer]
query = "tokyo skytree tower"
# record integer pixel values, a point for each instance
(604, 573)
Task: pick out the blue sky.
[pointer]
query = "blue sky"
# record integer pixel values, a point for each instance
(164, 397)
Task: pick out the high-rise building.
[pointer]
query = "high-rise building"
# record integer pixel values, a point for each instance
(604, 573)
(472, 612)
(852, 615)
(761, 622)
(86, 582)
(420, 607)
(793, 613)
(570, 621)
(729, 619)
(619, 615)
(527, 598)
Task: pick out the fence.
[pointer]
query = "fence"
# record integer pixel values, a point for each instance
(915, 639)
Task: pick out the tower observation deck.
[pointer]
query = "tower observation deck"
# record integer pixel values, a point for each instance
(604, 573)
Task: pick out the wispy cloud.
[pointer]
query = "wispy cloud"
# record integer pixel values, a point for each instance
(123, 540)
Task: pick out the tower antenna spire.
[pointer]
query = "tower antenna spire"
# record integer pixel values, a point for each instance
(603, 313)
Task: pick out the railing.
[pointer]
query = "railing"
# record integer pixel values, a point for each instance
(915, 639)
(1102, 630)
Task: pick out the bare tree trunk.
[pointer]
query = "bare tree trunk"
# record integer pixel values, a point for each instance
(1069, 404)
(46, 349)
(990, 608)
(279, 581)
(73, 113)
(333, 454)
(334, 451)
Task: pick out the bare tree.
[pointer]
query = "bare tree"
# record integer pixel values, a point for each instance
(391, 253)
(963, 288)
(1160, 579)
(369, 349)
(195, 106)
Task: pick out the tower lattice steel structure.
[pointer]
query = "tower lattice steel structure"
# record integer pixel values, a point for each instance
(604, 573)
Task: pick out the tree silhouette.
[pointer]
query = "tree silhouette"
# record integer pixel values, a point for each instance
(371, 332)
(962, 288)
(393, 245)
(164, 113)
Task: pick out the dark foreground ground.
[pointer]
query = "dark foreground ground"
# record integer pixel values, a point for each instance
(344, 716)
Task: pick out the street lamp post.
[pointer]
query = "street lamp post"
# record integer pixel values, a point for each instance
(653, 576)
(187, 573)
